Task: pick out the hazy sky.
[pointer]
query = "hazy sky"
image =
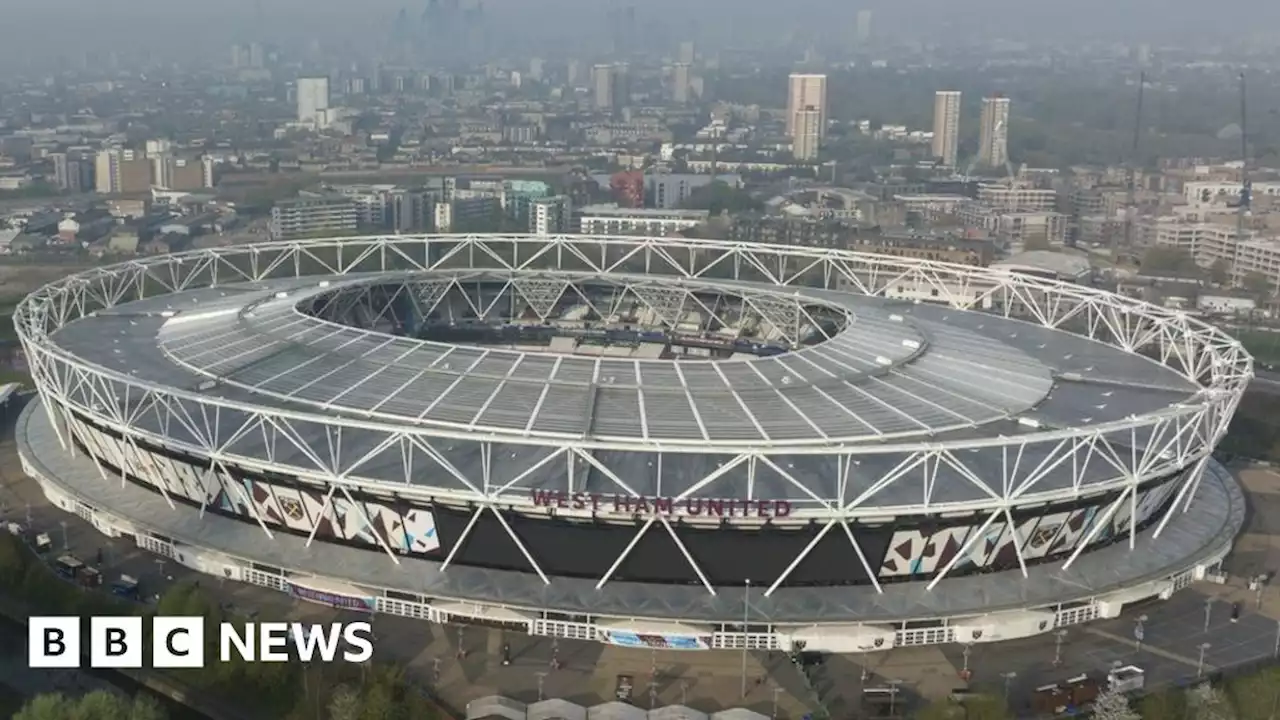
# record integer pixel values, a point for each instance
(36, 26)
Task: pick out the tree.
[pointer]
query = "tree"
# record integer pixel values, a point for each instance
(1209, 704)
(1257, 284)
(974, 707)
(13, 560)
(1164, 704)
(1036, 242)
(719, 196)
(1111, 705)
(1220, 272)
(97, 705)
(941, 710)
(344, 705)
(986, 707)
(1255, 695)
(1168, 259)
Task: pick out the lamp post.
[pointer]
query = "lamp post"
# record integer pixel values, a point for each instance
(542, 676)
(1008, 680)
(1139, 632)
(776, 692)
(1058, 637)
(1200, 663)
(893, 694)
(746, 608)
(1208, 609)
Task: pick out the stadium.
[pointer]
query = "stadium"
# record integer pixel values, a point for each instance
(656, 442)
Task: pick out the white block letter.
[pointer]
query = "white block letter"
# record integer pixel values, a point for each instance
(53, 642)
(115, 642)
(177, 642)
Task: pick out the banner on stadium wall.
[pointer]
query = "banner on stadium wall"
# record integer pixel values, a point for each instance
(623, 638)
(346, 602)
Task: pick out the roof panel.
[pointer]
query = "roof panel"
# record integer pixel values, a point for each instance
(895, 370)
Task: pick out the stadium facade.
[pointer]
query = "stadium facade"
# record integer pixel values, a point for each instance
(646, 441)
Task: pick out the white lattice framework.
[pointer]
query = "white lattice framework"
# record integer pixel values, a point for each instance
(1138, 448)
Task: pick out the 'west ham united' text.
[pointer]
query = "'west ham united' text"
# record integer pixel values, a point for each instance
(619, 504)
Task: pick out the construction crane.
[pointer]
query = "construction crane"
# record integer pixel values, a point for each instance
(1131, 208)
(1246, 188)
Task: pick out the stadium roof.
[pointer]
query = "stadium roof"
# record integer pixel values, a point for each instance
(897, 371)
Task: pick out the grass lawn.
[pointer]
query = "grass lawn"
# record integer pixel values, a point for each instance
(22, 377)
(1265, 346)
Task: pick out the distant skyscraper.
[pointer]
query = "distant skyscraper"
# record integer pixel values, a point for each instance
(121, 171)
(681, 76)
(1144, 55)
(807, 135)
(602, 86)
(621, 92)
(622, 29)
(313, 99)
(535, 69)
(572, 70)
(993, 139)
(107, 171)
(863, 29)
(806, 91)
(687, 52)
(946, 126)
(62, 171)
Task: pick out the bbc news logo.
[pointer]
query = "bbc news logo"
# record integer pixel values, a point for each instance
(179, 642)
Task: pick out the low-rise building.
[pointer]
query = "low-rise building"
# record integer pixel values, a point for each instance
(774, 230)
(941, 248)
(550, 216)
(1017, 198)
(614, 220)
(468, 214)
(313, 216)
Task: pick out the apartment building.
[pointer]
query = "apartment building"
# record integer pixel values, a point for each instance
(807, 91)
(467, 214)
(175, 173)
(946, 126)
(550, 215)
(614, 220)
(993, 132)
(1017, 198)
(1031, 229)
(120, 171)
(1105, 201)
(1223, 192)
(313, 215)
(1209, 243)
(806, 136)
(805, 231)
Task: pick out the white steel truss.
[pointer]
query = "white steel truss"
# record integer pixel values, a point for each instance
(338, 451)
